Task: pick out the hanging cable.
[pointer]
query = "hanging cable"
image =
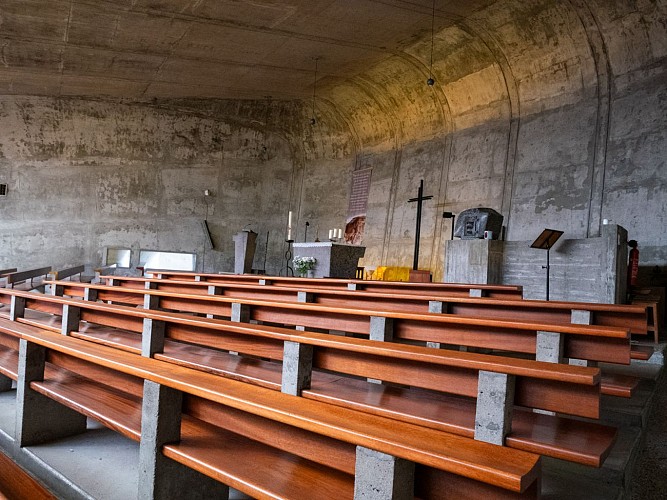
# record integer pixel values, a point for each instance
(431, 81)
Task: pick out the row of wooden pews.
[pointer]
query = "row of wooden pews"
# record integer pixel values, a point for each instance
(469, 396)
(543, 330)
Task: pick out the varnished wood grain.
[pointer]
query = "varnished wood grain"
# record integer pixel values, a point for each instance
(17, 484)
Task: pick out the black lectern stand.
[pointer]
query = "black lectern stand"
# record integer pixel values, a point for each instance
(545, 241)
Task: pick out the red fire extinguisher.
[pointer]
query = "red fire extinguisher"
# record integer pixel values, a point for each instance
(633, 263)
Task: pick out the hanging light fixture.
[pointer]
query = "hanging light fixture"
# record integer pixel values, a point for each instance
(313, 121)
(431, 81)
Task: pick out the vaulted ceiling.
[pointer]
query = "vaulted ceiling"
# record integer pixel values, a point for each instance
(141, 49)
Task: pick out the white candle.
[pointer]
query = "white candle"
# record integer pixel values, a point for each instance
(340, 233)
(289, 220)
(289, 233)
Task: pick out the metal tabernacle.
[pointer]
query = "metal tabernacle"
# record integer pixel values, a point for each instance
(472, 224)
(546, 241)
(419, 199)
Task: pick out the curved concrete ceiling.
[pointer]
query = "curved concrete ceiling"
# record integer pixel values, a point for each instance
(493, 60)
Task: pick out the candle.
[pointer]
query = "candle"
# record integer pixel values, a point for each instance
(340, 233)
(330, 236)
(289, 220)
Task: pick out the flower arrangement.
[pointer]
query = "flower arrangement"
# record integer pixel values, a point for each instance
(304, 264)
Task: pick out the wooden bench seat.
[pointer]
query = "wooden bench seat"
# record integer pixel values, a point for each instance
(310, 440)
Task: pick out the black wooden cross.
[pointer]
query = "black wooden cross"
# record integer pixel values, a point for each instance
(419, 199)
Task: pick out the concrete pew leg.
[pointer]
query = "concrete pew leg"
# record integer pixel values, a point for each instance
(379, 476)
(39, 418)
(5, 383)
(297, 367)
(495, 400)
(159, 476)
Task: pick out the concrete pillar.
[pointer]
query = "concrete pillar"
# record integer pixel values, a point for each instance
(240, 313)
(379, 476)
(244, 251)
(16, 308)
(549, 347)
(214, 290)
(581, 317)
(39, 418)
(381, 329)
(297, 367)
(304, 297)
(152, 337)
(438, 307)
(151, 301)
(71, 318)
(495, 399)
(161, 478)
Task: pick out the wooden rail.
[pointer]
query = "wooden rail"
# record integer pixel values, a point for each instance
(18, 277)
(449, 289)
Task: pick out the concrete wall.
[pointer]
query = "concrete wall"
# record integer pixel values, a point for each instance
(83, 175)
(551, 112)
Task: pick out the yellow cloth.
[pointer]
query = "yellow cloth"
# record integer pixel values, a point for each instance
(389, 273)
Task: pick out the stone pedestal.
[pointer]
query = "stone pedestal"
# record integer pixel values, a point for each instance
(244, 251)
(334, 260)
(474, 261)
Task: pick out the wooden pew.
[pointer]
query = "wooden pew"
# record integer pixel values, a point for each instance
(5, 272)
(16, 278)
(261, 442)
(559, 313)
(510, 292)
(605, 344)
(438, 379)
(17, 484)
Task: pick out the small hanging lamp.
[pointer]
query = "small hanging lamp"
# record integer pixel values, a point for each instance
(431, 81)
(313, 121)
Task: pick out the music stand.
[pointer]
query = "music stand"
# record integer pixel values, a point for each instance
(546, 241)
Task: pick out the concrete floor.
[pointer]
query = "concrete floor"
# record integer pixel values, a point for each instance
(103, 465)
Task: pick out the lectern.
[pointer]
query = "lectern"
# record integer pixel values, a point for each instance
(546, 241)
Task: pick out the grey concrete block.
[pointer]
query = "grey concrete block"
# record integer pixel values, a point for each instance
(90, 294)
(71, 319)
(56, 290)
(240, 312)
(265, 282)
(151, 302)
(16, 308)
(161, 478)
(304, 297)
(354, 286)
(549, 347)
(297, 367)
(495, 400)
(476, 292)
(152, 337)
(38, 418)
(381, 329)
(379, 476)
(581, 317)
